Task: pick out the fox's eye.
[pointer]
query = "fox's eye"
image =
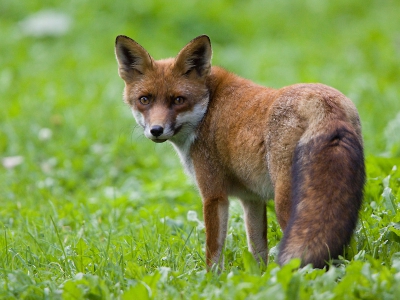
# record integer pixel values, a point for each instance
(179, 100)
(144, 100)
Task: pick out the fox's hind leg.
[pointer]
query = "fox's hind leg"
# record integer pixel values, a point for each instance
(282, 199)
(255, 217)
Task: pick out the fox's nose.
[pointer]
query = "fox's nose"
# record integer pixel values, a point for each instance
(156, 130)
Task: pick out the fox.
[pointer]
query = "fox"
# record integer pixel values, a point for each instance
(300, 145)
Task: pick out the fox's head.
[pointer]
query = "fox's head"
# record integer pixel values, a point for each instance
(168, 97)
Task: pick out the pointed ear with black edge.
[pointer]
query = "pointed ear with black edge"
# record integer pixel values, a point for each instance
(133, 59)
(195, 58)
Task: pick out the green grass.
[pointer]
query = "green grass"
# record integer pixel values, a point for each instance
(96, 211)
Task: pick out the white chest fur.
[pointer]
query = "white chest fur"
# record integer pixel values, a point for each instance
(183, 150)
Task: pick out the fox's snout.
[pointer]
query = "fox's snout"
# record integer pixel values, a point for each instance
(156, 130)
(158, 133)
(158, 123)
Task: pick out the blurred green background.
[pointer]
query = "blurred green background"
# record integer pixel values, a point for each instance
(82, 191)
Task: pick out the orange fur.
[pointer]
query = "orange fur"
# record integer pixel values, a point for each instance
(300, 144)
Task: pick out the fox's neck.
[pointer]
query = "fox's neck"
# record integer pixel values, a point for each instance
(183, 141)
(216, 79)
(182, 145)
(220, 83)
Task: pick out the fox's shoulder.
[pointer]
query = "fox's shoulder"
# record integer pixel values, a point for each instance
(220, 77)
(227, 86)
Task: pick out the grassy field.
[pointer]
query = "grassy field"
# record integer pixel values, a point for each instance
(90, 209)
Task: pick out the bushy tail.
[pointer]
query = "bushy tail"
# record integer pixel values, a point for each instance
(328, 177)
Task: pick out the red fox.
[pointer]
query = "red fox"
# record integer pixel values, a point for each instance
(300, 145)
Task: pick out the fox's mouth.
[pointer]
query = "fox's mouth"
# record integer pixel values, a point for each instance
(157, 140)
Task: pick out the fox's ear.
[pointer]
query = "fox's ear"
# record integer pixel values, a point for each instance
(195, 58)
(133, 59)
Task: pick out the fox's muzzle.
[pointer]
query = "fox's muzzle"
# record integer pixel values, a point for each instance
(156, 130)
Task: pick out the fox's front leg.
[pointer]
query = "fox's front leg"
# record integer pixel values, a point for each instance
(216, 211)
(212, 184)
